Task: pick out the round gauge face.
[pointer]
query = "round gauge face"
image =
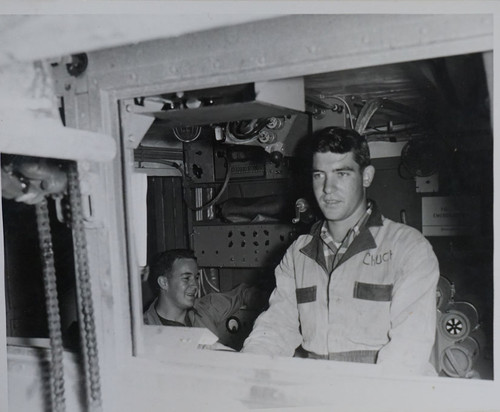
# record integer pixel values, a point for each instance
(233, 324)
(454, 325)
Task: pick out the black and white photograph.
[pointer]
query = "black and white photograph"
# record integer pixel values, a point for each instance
(233, 206)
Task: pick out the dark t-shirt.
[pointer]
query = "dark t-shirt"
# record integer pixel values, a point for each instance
(167, 322)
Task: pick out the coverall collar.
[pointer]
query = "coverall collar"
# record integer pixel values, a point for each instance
(364, 241)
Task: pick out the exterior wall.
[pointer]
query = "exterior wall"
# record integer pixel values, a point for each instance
(145, 368)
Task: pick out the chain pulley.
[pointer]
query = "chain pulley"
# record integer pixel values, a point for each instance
(84, 299)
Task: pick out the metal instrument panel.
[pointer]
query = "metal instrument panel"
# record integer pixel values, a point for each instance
(241, 245)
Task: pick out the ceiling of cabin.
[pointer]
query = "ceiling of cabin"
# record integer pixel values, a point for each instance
(405, 83)
(409, 84)
(432, 89)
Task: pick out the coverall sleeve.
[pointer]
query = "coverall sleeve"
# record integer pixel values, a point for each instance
(219, 306)
(276, 331)
(413, 309)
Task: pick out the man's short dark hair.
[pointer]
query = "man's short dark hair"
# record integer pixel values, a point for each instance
(162, 263)
(339, 140)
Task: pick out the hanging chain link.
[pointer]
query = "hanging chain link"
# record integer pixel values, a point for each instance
(84, 294)
(52, 304)
(84, 298)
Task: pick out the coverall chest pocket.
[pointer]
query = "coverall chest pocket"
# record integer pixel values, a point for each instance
(372, 291)
(371, 313)
(305, 295)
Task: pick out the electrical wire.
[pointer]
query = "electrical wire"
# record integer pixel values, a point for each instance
(201, 285)
(207, 279)
(347, 108)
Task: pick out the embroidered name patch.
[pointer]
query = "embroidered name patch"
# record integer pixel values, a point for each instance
(371, 291)
(305, 295)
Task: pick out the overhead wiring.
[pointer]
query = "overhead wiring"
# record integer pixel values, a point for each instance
(204, 278)
(347, 108)
(323, 105)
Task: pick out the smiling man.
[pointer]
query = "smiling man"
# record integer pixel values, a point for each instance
(175, 275)
(359, 287)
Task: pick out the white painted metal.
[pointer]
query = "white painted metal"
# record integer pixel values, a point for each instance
(27, 379)
(285, 47)
(32, 37)
(51, 139)
(30, 122)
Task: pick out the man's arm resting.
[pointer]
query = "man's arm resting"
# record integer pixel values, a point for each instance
(220, 305)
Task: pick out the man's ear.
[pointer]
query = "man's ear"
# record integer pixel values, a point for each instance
(368, 174)
(162, 282)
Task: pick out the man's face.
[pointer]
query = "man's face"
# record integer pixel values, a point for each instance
(339, 186)
(183, 283)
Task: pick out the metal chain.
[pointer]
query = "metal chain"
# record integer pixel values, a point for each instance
(84, 294)
(52, 305)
